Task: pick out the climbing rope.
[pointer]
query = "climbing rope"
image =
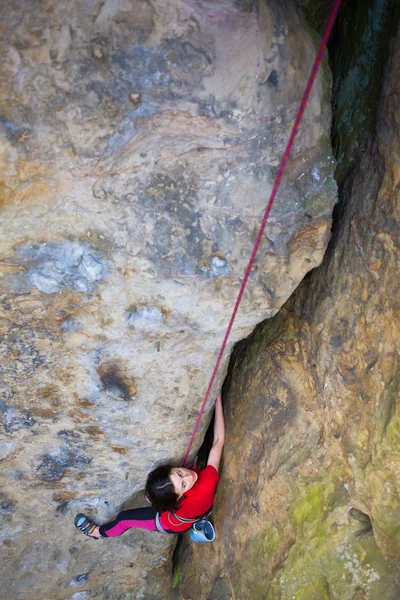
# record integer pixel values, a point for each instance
(299, 116)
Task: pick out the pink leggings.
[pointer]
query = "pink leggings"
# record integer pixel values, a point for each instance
(142, 518)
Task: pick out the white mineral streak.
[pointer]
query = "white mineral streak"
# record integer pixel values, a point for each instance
(139, 144)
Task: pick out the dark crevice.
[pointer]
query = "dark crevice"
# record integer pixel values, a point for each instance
(366, 524)
(358, 51)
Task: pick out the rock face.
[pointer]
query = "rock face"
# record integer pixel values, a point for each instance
(139, 142)
(308, 505)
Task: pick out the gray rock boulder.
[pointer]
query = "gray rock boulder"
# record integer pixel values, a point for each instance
(139, 143)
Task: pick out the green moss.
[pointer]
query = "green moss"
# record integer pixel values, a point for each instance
(382, 479)
(386, 408)
(264, 545)
(336, 569)
(260, 592)
(177, 576)
(314, 504)
(330, 558)
(318, 588)
(261, 553)
(274, 592)
(259, 559)
(392, 438)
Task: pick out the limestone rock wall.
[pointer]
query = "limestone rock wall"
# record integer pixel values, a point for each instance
(139, 141)
(308, 504)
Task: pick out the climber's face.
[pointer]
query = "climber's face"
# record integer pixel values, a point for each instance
(182, 479)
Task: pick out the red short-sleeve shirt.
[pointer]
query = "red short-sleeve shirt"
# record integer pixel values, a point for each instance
(197, 501)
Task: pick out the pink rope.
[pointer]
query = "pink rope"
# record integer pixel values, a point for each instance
(299, 116)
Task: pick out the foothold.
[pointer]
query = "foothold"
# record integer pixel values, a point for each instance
(273, 78)
(219, 266)
(80, 579)
(115, 381)
(98, 51)
(136, 99)
(62, 509)
(360, 516)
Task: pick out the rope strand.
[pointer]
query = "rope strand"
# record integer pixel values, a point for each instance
(299, 116)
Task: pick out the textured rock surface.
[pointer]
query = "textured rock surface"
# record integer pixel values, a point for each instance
(308, 505)
(359, 51)
(139, 142)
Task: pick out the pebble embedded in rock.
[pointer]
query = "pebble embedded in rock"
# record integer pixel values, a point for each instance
(135, 98)
(219, 266)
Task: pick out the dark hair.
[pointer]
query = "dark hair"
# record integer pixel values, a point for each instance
(160, 490)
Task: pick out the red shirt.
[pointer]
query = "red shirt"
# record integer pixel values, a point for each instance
(197, 501)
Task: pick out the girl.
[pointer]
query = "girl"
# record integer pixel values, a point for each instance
(178, 496)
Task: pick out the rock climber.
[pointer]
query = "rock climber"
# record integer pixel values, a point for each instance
(178, 496)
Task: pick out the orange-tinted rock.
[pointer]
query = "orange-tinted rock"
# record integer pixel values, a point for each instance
(308, 504)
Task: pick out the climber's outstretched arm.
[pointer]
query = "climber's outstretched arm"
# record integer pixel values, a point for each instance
(214, 457)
